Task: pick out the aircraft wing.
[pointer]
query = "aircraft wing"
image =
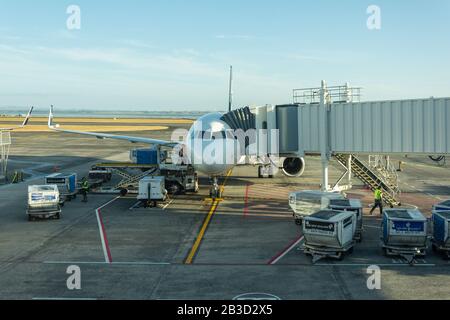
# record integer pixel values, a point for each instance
(56, 127)
(24, 123)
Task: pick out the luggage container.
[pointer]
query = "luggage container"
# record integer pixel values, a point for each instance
(441, 233)
(307, 202)
(443, 206)
(43, 202)
(329, 233)
(67, 184)
(152, 190)
(353, 205)
(404, 233)
(145, 156)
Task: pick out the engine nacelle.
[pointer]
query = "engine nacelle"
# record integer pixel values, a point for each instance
(293, 167)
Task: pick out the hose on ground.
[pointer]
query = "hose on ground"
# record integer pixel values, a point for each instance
(437, 158)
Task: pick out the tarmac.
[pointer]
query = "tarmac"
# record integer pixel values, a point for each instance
(189, 248)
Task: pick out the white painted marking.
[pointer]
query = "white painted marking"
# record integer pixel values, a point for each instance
(108, 203)
(403, 264)
(427, 193)
(145, 263)
(134, 205)
(414, 207)
(65, 299)
(287, 251)
(165, 207)
(375, 227)
(102, 237)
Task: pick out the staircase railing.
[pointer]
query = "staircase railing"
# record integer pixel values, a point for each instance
(370, 178)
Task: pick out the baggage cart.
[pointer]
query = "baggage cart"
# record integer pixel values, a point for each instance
(441, 233)
(355, 206)
(404, 234)
(329, 234)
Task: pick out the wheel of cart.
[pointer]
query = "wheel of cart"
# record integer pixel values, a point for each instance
(434, 248)
(71, 197)
(360, 238)
(298, 222)
(442, 250)
(407, 253)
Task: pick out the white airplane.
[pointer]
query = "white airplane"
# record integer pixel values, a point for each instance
(24, 123)
(209, 135)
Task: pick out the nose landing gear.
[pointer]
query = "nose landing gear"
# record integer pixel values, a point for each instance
(215, 192)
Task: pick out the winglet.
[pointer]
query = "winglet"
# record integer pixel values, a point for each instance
(50, 119)
(27, 118)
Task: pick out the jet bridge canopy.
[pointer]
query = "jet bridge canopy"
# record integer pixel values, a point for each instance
(419, 126)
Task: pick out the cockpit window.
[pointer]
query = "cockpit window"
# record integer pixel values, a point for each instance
(208, 135)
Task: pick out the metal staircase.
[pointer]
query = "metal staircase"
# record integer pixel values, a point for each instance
(370, 178)
(386, 170)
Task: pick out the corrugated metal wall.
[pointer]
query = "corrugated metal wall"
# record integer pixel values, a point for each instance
(400, 126)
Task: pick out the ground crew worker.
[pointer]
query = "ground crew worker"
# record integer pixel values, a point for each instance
(84, 189)
(378, 195)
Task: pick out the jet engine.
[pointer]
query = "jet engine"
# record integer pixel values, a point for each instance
(293, 167)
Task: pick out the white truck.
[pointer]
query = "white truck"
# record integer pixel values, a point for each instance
(43, 202)
(152, 190)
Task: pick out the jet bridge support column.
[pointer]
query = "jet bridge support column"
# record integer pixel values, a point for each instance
(349, 168)
(324, 143)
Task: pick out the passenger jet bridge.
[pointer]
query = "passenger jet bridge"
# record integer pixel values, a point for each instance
(331, 121)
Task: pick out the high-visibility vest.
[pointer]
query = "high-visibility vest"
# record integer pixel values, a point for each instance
(378, 194)
(85, 185)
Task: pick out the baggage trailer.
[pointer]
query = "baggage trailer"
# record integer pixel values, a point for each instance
(355, 206)
(67, 185)
(404, 234)
(306, 202)
(152, 190)
(443, 206)
(441, 233)
(329, 234)
(43, 202)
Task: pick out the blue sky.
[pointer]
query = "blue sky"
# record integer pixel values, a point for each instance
(175, 55)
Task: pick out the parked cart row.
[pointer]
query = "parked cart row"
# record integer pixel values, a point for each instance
(332, 226)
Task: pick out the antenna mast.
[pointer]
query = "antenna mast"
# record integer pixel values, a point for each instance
(230, 97)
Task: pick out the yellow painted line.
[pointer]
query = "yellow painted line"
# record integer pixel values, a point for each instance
(199, 239)
(201, 234)
(226, 179)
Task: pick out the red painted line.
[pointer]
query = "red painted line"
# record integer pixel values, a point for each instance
(247, 191)
(108, 250)
(282, 253)
(102, 230)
